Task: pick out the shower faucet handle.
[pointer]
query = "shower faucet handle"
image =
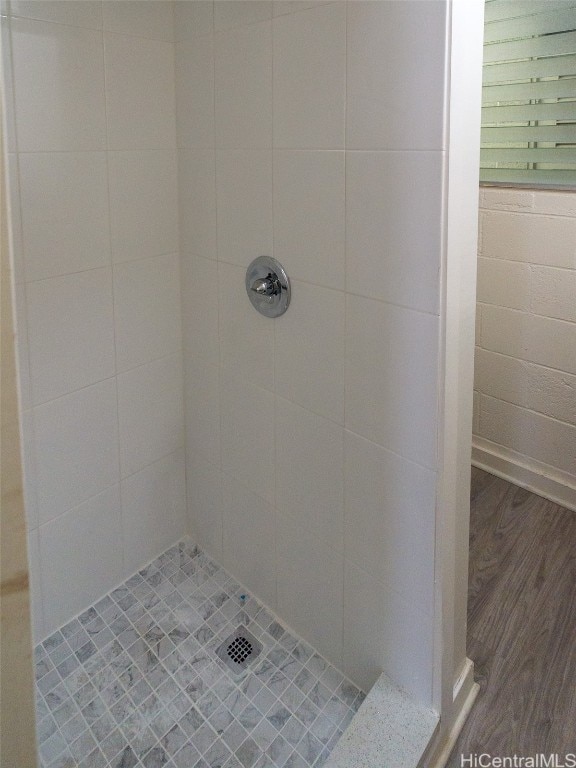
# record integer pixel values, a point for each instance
(266, 288)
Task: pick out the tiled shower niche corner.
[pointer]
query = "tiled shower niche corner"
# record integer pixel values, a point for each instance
(135, 680)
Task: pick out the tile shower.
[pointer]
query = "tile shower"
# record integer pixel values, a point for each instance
(155, 150)
(135, 679)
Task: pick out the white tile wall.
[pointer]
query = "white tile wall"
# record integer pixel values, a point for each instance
(82, 14)
(59, 85)
(311, 339)
(382, 631)
(193, 20)
(244, 87)
(139, 92)
(76, 444)
(150, 413)
(70, 332)
(393, 227)
(153, 509)
(195, 84)
(310, 587)
(200, 309)
(237, 13)
(380, 100)
(526, 341)
(143, 204)
(93, 182)
(244, 201)
(309, 111)
(249, 539)
(271, 404)
(378, 371)
(205, 501)
(65, 218)
(247, 418)
(197, 202)
(246, 337)
(147, 310)
(140, 18)
(309, 215)
(310, 472)
(86, 541)
(394, 499)
(202, 396)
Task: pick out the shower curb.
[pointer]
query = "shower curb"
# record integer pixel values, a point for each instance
(389, 729)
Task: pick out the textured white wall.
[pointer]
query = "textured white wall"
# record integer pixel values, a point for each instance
(311, 439)
(91, 128)
(525, 377)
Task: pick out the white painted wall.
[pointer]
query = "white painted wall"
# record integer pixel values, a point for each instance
(312, 438)
(525, 376)
(91, 132)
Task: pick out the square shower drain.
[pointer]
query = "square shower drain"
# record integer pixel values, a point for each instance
(239, 650)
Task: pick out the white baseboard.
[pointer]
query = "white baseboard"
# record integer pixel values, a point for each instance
(465, 692)
(541, 479)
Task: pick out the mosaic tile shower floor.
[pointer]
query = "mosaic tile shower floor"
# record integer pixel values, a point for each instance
(135, 682)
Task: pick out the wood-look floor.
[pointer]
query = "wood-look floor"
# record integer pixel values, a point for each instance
(521, 623)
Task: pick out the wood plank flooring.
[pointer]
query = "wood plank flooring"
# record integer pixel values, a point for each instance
(521, 623)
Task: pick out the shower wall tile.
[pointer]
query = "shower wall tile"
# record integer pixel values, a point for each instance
(309, 112)
(281, 7)
(238, 13)
(75, 13)
(309, 215)
(70, 333)
(247, 419)
(249, 534)
(71, 116)
(9, 113)
(37, 606)
(197, 202)
(246, 337)
(76, 442)
(15, 218)
(195, 86)
(244, 87)
(310, 472)
(382, 40)
(378, 370)
(383, 632)
(274, 176)
(395, 500)
(29, 469)
(200, 309)
(143, 204)
(244, 203)
(150, 413)
(140, 18)
(85, 194)
(140, 93)
(65, 220)
(153, 509)
(205, 502)
(202, 397)
(310, 580)
(192, 20)
(22, 351)
(393, 227)
(147, 310)
(86, 541)
(309, 365)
